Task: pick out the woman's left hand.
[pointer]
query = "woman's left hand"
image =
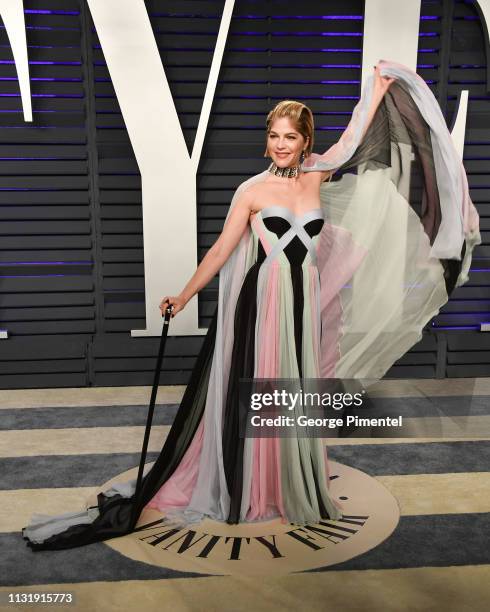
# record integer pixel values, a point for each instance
(381, 83)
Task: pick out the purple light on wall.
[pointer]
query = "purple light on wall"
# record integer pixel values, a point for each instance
(44, 63)
(476, 327)
(323, 17)
(300, 81)
(13, 95)
(33, 188)
(357, 66)
(43, 79)
(46, 127)
(343, 50)
(46, 263)
(47, 46)
(48, 12)
(337, 98)
(56, 80)
(51, 29)
(236, 81)
(20, 111)
(42, 158)
(39, 275)
(323, 49)
(299, 34)
(239, 49)
(334, 65)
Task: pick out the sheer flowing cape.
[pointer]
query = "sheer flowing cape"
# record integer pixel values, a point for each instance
(399, 232)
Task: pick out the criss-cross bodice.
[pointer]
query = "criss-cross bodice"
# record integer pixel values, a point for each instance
(286, 238)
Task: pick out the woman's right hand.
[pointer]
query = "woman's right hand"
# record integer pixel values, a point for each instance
(177, 302)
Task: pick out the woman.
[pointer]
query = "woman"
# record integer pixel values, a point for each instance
(319, 278)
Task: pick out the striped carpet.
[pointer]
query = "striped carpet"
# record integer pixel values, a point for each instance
(57, 446)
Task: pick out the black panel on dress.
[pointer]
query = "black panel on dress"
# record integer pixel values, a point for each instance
(241, 366)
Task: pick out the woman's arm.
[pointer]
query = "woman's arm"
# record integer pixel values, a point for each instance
(377, 97)
(380, 87)
(217, 255)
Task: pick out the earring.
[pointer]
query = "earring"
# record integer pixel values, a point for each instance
(302, 157)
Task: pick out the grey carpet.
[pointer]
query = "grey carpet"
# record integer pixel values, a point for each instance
(418, 541)
(395, 459)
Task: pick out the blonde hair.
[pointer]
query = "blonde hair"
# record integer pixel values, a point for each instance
(301, 117)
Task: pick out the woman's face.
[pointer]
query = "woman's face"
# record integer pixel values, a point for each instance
(285, 143)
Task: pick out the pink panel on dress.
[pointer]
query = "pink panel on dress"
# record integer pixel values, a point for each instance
(177, 490)
(266, 494)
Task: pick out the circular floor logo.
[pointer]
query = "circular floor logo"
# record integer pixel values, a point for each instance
(370, 514)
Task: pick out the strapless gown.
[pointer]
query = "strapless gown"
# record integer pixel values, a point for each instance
(280, 476)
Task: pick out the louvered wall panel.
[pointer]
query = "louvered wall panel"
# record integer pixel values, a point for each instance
(72, 247)
(47, 286)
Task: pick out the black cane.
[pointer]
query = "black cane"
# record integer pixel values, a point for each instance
(156, 379)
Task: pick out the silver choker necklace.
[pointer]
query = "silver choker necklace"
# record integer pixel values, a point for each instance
(288, 172)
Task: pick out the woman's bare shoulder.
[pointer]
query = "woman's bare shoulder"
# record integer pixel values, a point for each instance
(257, 187)
(254, 190)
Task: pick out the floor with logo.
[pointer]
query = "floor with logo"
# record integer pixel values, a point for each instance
(415, 535)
